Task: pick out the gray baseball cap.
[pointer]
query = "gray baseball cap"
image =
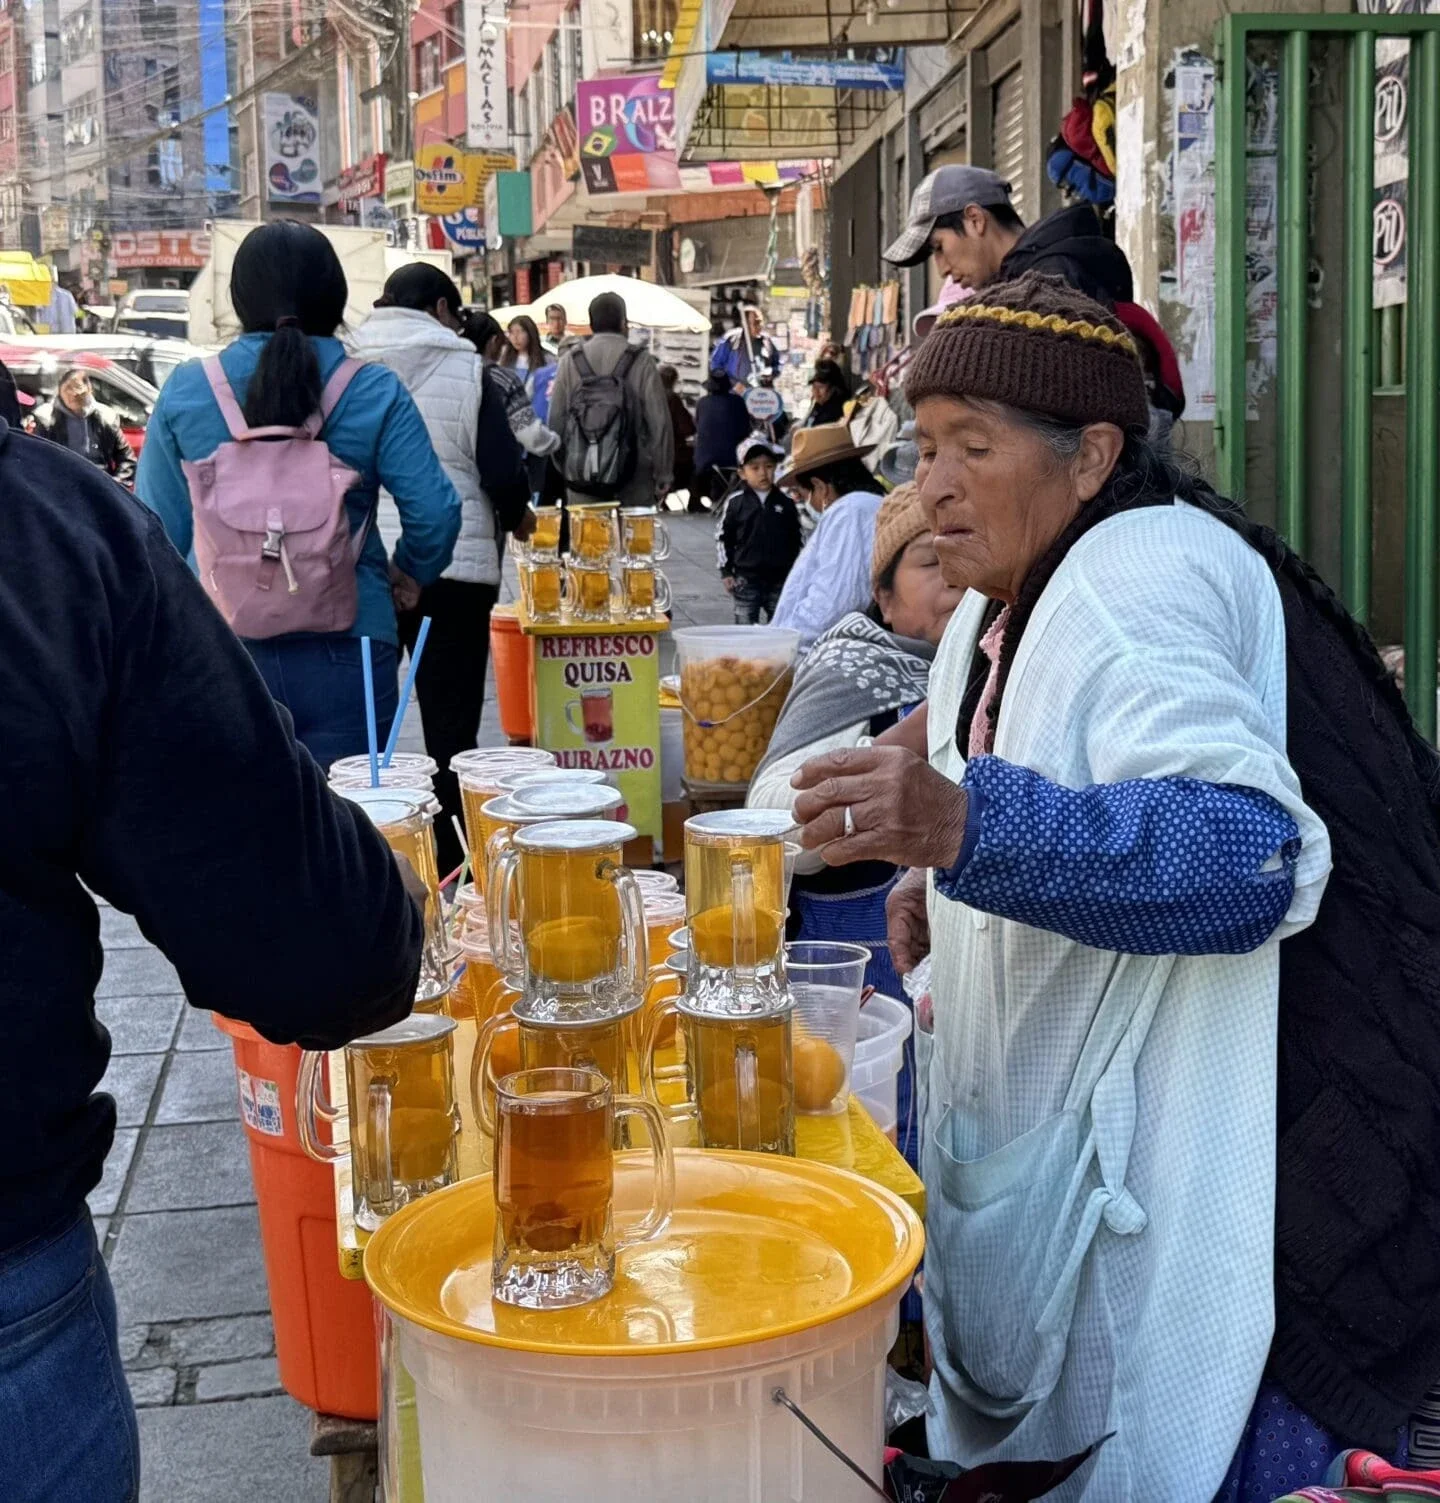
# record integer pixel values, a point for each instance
(946, 191)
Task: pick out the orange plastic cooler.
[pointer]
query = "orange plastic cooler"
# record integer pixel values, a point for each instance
(324, 1324)
(511, 653)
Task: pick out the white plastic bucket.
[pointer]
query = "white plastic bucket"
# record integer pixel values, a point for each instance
(885, 1024)
(500, 1423)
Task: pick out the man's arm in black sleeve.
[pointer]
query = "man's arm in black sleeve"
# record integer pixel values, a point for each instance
(278, 903)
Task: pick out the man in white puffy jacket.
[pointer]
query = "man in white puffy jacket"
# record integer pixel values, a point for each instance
(413, 331)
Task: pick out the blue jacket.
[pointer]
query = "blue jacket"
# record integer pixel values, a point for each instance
(732, 357)
(375, 429)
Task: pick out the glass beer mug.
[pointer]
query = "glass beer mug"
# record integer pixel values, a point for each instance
(644, 591)
(403, 1116)
(587, 590)
(554, 1177)
(567, 922)
(542, 588)
(534, 805)
(738, 1073)
(643, 535)
(520, 1040)
(404, 818)
(544, 539)
(735, 905)
(592, 531)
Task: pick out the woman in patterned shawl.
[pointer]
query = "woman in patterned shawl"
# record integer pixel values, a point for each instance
(1181, 1132)
(859, 681)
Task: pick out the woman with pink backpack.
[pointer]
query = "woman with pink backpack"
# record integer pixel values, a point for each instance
(265, 463)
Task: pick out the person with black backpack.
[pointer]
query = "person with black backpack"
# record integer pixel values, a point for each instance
(608, 405)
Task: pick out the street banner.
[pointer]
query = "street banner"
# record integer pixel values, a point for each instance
(627, 135)
(448, 179)
(869, 68)
(487, 98)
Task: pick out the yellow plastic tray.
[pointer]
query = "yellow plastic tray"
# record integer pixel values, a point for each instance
(758, 1247)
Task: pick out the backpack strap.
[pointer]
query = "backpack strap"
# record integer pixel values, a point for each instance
(583, 367)
(335, 388)
(225, 397)
(624, 363)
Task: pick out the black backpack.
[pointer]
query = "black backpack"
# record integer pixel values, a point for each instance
(600, 437)
(499, 457)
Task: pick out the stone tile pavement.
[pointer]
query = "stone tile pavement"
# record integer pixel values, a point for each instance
(175, 1210)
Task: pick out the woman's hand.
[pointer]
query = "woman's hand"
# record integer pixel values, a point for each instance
(901, 810)
(907, 921)
(403, 590)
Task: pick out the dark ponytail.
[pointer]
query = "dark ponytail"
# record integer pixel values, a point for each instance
(286, 282)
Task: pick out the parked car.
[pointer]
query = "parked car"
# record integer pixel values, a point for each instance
(161, 312)
(36, 366)
(151, 359)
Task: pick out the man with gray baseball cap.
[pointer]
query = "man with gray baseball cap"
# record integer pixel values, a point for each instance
(964, 218)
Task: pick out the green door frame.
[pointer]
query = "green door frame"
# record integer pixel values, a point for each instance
(1422, 355)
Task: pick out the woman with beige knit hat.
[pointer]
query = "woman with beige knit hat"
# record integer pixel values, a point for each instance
(1150, 727)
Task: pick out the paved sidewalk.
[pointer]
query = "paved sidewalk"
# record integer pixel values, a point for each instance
(175, 1211)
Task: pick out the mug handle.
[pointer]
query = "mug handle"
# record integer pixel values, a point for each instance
(495, 848)
(311, 1107)
(661, 551)
(480, 1067)
(651, 1074)
(632, 922)
(662, 1202)
(377, 1116)
(571, 706)
(498, 905)
(662, 594)
(569, 592)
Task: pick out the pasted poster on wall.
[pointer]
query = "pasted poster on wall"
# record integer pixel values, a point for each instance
(292, 149)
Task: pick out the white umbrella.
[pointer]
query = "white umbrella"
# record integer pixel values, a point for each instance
(646, 305)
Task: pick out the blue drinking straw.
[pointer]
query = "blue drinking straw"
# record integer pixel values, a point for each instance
(415, 652)
(373, 738)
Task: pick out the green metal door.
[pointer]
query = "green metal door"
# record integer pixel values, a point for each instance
(1421, 356)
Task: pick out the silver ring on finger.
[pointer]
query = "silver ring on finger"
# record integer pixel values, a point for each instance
(849, 820)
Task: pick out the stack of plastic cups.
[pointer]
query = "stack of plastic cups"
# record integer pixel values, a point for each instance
(482, 774)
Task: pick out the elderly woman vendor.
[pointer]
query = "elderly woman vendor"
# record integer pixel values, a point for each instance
(1151, 729)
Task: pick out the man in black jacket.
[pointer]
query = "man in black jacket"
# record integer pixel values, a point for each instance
(143, 759)
(758, 533)
(91, 429)
(964, 218)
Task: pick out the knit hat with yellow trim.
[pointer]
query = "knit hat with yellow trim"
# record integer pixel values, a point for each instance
(1037, 344)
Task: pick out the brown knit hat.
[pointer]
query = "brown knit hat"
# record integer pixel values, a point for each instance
(1037, 344)
(900, 520)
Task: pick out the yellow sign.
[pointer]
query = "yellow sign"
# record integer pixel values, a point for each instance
(449, 178)
(597, 705)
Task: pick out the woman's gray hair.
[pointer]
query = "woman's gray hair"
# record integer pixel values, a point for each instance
(1061, 438)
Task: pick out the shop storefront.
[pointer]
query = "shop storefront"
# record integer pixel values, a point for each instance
(158, 258)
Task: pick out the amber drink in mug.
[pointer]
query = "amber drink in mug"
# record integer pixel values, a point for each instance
(588, 588)
(592, 531)
(544, 539)
(581, 921)
(735, 905)
(644, 591)
(642, 534)
(554, 1183)
(528, 1036)
(534, 805)
(542, 587)
(403, 1117)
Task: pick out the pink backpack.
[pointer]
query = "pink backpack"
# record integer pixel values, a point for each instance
(272, 536)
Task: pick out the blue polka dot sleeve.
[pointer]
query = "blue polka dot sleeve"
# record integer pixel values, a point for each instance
(1154, 866)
